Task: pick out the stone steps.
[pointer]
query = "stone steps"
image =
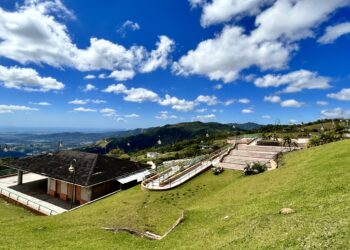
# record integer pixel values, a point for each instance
(244, 159)
(231, 166)
(260, 148)
(256, 154)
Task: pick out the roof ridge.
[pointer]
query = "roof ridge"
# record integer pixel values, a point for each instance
(92, 169)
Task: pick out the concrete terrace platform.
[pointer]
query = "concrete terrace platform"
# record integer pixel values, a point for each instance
(32, 194)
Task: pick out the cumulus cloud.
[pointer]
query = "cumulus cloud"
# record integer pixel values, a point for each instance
(247, 111)
(122, 75)
(85, 110)
(335, 113)
(218, 86)
(334, 32)
(322, 103)
(177, 104)
(343, 95)
(133, 94)
(164, 115)
(296, 18)
(244, 100)
(89, 87)
(128, 26)
(89, 77)
(33, 34)
(4, 109)
(268, 45)
(109, 112)
(291, 103)
(158, 58)
(295, 81)
(219, 11)
(209, 100)
(223, 57)
(272, 98)
(27, 79)
(267, 117)
(229, 102)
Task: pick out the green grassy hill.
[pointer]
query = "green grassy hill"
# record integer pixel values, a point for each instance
(314, 182)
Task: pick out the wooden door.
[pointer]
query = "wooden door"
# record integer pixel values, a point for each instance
(58, 187)
(69, 191)
(77, 193)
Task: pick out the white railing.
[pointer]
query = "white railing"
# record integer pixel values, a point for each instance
(27, 202)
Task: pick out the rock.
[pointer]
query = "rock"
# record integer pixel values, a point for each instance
(286, 210)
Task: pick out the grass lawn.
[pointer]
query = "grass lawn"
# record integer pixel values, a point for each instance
(314, 182)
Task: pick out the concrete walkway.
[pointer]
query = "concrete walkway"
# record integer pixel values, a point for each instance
(9, 188)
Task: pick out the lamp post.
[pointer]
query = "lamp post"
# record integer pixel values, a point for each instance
(71, 170)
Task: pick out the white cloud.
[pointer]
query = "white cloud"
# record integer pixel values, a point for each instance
(218, 86)
(296, 18)
(322, 103)
(13, 108)
(335, 113)
(78, 102)
(291, 104)
(209, 100)
(201, 110)
(334, 32)
(122, 75)
(267, 117)
(82, 109)
(41, 103)
(132, 116)
(158, 58)
(229, 102)
(204, 118)
(268, 45)
(89, 77)
(32, 34)
(133, 94)
(164, 115)
(343, 95)
(247, 111)
(219, 11)
(128, 26)
(244, 100)
(96, 101)
(86, 101)
(178, 104)
(89, 87)
(223, 57)
(27, 79)
(293, 121)
(272, 98)
(109, 112)
(295, 81)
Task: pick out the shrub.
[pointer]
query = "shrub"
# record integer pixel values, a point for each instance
(254, 168)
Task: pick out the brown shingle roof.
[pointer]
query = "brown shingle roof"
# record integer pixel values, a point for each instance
(90, 168)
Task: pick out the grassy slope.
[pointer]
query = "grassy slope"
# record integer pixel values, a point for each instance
(314, 182)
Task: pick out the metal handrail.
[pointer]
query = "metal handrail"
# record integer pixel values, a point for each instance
(27, 201)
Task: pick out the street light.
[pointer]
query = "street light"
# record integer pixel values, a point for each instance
(71, 170)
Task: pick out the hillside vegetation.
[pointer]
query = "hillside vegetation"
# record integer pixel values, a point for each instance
(228, 211)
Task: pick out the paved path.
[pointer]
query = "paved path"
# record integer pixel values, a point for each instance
(155, 184)
(9, 184)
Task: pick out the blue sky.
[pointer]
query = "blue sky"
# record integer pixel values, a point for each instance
(126, 64)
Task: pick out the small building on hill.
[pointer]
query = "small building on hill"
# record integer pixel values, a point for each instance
(80, 176)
